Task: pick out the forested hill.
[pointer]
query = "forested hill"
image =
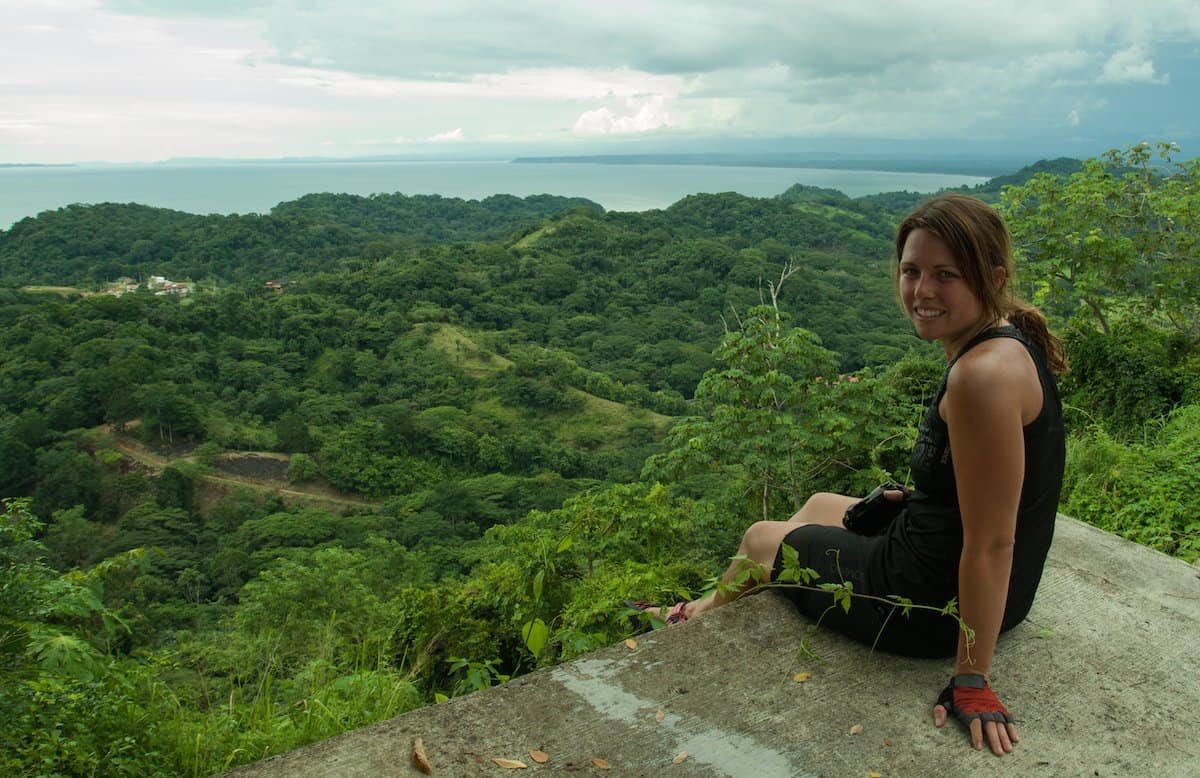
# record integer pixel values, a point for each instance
(639, 296)
(92, 244)
(896, 203)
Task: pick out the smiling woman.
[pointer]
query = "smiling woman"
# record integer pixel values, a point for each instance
(987, 471)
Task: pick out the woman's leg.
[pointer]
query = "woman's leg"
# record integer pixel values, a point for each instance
(823, 508)
(761, 542)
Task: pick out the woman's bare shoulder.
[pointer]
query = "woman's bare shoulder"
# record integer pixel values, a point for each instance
(997, 373)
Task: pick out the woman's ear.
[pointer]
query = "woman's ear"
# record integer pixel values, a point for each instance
(999, 275)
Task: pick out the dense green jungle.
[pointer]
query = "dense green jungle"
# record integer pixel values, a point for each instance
(394, 449)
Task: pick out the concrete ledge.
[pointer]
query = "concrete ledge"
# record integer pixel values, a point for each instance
(1103, 677)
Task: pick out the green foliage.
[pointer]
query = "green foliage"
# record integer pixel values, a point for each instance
(302, 468)
(320, 601)
(1148, 490)
(1127, 378)
(174, 489)
(72, 540)
(66, 707)
(764, 405)
(781, 424)
(551, 586)
(292, 433)
(1119, 229)
(1117, 245)
(476, 676)
(66, 477)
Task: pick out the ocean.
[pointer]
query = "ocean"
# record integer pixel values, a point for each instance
(257, 187)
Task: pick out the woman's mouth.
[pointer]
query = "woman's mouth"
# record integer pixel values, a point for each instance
(927, 313)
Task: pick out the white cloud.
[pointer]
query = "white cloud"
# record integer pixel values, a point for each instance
(640, 116)
(1131, 65)
(576, 83)
(537, 84)
(450, 136)
(1073, 118)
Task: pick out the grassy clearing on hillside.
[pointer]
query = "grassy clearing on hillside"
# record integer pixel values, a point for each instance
(828, 211)
(65, 291)
(491, 408)
(470, 356)
(480, 362)
(613, 414)
(597, 424)
(533, 237)
(605, 425)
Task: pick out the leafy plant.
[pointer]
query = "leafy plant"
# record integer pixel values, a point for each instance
(1146, 490)
(1123, 227)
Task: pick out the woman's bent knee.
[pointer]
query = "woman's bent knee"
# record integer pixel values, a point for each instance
(762, 538)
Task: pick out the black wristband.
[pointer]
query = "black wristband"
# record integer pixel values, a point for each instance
(968, 681)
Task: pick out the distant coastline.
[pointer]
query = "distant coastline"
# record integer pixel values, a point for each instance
(943, 165)
(985, 167)
(249, 187)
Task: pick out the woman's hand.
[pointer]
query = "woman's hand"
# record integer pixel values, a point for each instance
(972, 701)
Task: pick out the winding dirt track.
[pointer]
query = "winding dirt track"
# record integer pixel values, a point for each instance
(156, 461)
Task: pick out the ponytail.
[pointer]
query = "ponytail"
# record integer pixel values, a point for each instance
(1032, 324)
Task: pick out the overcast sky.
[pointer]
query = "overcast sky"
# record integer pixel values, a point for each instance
(152, 79)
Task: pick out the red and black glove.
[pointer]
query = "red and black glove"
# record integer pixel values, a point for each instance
(968, 697)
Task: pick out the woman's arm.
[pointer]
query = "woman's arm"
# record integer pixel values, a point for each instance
(984, 407)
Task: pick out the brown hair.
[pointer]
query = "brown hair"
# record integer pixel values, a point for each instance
(979, 241)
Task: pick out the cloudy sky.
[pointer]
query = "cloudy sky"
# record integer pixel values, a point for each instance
(146, 80)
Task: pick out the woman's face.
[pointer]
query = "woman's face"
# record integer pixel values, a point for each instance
(935, 294)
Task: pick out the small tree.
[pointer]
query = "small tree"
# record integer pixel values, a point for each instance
(780, 423)
(1125, 230)
(302, 468)
(763, 403)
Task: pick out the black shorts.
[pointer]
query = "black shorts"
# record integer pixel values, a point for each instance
(837, 556)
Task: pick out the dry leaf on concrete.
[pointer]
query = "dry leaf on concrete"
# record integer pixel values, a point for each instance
(630, 643)
(659, 716)
(802, 677)
(887, 741)
(603, 764)
(541, 757)
(873, 774)
(856, 729)
(682, 755)
(419, 758)
(509, 764)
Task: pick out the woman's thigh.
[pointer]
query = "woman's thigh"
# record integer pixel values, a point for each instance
(824, 508)
(842, 557)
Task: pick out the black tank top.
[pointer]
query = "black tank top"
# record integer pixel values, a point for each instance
(920, 554)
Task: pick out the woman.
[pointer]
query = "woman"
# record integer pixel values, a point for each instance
(987, 469)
